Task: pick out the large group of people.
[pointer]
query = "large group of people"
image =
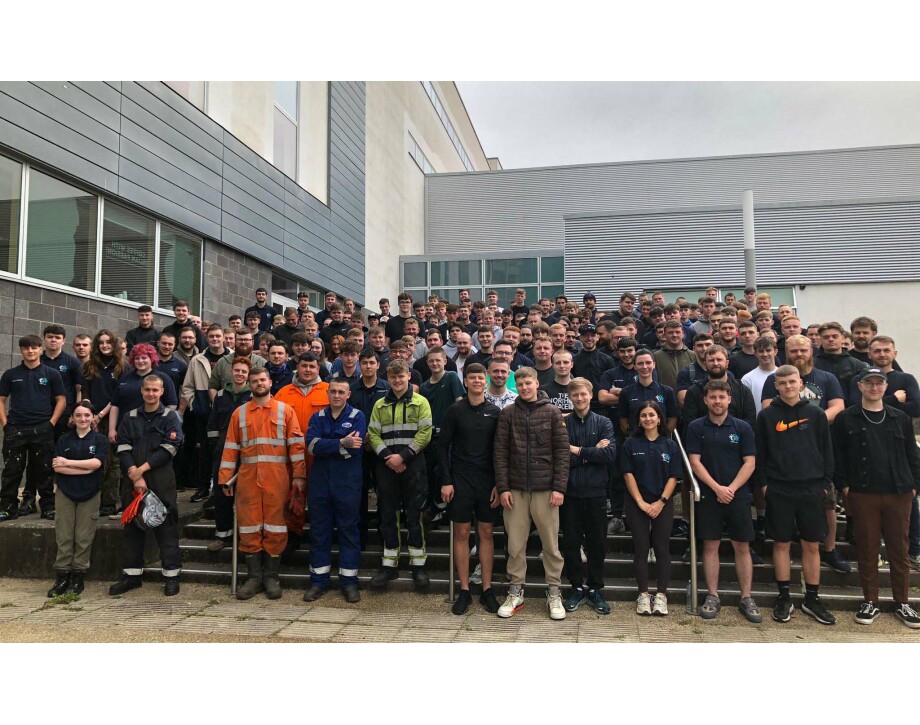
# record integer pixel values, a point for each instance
(543, 419)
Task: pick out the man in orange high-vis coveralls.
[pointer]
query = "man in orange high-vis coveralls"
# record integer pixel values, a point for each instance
(306, 394)
(265, 440)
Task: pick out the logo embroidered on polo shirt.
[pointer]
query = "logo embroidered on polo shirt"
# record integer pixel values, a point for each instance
(734, 438)
(666, 457)
(43, 381)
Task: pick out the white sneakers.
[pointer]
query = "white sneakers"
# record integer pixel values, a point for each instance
(554, 603)
(644, 604)
(660, 604)
(651, 556)
(514, 602)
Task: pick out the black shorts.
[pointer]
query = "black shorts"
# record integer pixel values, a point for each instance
(802, 511)
(471, 497)
(714, 518)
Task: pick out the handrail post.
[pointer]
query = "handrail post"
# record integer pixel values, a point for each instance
(450, 573)
(693, 594)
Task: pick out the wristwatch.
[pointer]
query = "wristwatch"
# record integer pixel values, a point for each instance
(663, 499)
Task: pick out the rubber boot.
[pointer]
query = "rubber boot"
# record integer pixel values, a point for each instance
(76, 583)
(253, 583)
(272, 580)
(61, 582)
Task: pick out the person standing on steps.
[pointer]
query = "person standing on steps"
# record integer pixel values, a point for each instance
(335, 439)
(592, 449)
(722, 455)
(531, 475)
(796, 457)
(651, 464)
(399, 430)
(878, 465)
(148, 438)
(265, 442)
(467, 471)
(78, 464)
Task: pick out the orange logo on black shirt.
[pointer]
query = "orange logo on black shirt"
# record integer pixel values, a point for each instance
(782, 425)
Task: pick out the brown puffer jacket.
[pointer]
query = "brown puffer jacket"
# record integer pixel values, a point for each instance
(531, 447)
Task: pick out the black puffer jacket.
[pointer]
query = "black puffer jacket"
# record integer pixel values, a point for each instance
(531, 447)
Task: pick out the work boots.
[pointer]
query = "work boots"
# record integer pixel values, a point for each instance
(125, 584)
(76, 583)
(253, 583)
(61, 582)
(272, 579)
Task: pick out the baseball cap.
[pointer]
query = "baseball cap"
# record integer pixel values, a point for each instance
(872, 373)
(587, 329)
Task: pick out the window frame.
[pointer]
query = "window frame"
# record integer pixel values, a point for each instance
(296, 122)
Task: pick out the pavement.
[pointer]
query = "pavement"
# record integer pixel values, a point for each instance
(207, 613)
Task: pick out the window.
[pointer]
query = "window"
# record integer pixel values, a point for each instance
(550, 290)
(511, 271)
(415, 274)
(10, 207)
(552, 269)
(285, 143)
(463, 273)
(506, 295)
(128, 264)
(61, 237)
(415, 151)
(448, 126)
(286, 289)
(180, 268)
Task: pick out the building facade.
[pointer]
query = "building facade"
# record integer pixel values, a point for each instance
(838, 232)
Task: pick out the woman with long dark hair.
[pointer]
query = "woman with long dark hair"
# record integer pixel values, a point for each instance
(101, 374)
(651, 464)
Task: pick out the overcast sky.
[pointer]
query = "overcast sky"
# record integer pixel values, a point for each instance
(554, 123)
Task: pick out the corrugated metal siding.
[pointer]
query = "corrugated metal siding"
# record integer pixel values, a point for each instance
(144, 143)
(795, 245)
(519, 209)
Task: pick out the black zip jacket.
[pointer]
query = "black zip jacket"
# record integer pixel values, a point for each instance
(589, 471)
(794, 445)
(843, 366)
(854, 465)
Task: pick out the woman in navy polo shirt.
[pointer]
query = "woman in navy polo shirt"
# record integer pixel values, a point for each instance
(650, 463)
(78, 466)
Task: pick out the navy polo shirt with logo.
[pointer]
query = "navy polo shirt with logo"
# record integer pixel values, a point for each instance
(73, 447)
(633, 395)
(652, 463)
(722, 449)
(174, 369)
(128, 393)
(69, 368)
(31, 393)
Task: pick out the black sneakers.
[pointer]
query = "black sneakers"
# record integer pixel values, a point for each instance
(867, 613)
(487, 599)
(463, 602)
(815, 608)
(782, 610)
(906, 614)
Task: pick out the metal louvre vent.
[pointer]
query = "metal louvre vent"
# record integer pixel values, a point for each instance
(795, 245)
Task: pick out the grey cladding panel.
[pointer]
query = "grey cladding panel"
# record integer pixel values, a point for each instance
(517, 209)
(167, 208)
(174, 118)
(74, 96)
(102, 91)
(254, 174)
(129, 171)
(169, 154)
(183, 107)
(795, 245)
(208, 192)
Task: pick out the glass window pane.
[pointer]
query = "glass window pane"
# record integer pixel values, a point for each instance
(449, 295)
(415, 274)
(10, 201)
(553, 269)
(506, 295)
(285, 148)
(284, 286)
(511, 271)
(457, 273)
(61, 237)
(180, 268)
(552, 291)
(128, 241)
(778, 295)
(286, 97)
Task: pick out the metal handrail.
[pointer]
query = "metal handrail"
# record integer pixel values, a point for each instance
(693, 595)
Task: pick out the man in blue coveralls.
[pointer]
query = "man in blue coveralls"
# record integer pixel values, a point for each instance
(335, 437)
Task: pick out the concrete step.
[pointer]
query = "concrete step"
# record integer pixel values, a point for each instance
(838, 598)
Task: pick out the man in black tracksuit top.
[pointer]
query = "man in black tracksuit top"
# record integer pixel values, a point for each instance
(583, 515)
(796, 458)
(591, 363)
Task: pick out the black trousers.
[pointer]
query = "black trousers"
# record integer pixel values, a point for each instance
(584, 522)
(60, 428)
(192, 465)
(402, 491)
(28, 449)
(654, 533)
(162, 482)
(368, 481)
(432, 468)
